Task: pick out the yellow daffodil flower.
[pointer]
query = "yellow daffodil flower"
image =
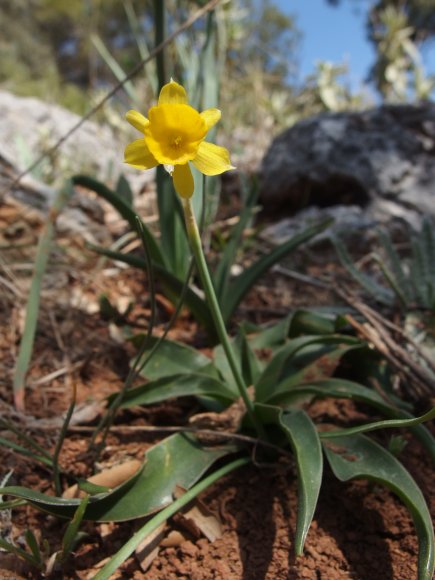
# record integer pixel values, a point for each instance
(174, 135)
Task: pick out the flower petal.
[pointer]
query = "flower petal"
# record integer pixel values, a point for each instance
(138, 121)
(138, 155)
(172, 94)
(212, 159)
(183, 180)
(211, 117)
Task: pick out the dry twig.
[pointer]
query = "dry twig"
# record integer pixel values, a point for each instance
(377, 331)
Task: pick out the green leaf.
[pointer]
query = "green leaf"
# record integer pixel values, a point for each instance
(221, 275)
(33, 546)
(386, 424)
(304, 440)
(337, 388)
(172, 285)
(172, 358)
(249, 365)
(302, 435)
(381, 294)
(142, 46)
(267, 337)
(180, 385)
(358, 457)
(46, 460)
(91, 488)
(124, 209)
(4, 545)
(173, 241)
(340, 388)
(241, 285)
(309, 322)
(124, 190)
(115, 67)
(324, 359)
(401, 285)
(280, 365)
(178, 460)
(32, 307)
(72, 529)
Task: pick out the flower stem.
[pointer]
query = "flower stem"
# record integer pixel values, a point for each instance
(196, 246)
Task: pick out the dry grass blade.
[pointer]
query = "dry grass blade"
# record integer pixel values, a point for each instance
(32, 309)
(377, 331)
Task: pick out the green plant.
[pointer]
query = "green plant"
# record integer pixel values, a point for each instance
(230, 289)
(257, 388)
(211, 160)
(304, 352)
(408, 283)
(39, 555)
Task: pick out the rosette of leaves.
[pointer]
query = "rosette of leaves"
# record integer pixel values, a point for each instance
(304, 357)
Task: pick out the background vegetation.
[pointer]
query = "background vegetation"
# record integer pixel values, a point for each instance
(68, 51)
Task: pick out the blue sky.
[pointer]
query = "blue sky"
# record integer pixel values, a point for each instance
(338, 34)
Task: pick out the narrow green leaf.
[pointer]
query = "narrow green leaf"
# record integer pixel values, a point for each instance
(251, 367)
(19, 552)
(428, 244)
(241, 285)
(179, 460)
(28, 453)
(33, 545)
(305, 443)
(13, 503)
(72, 529)
(180, 385)
(32, 307)
(396, 264)
(142, 46)
(318, 365)
(358, 457)
(270, 336)
(173, 241)
(124, 190)
(275, 371)
(391, 281)
(221, 275)
(309, 322)
(386, 424)
(343, 389)
(381, 294)
(91, 488)
(173, 286)
(123, 208)
(247, 362)
(172, 358)
(115, 67)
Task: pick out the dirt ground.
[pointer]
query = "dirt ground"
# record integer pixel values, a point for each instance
(359, 531)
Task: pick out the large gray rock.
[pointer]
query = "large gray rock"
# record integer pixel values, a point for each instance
(383, 158)
(29, 126)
